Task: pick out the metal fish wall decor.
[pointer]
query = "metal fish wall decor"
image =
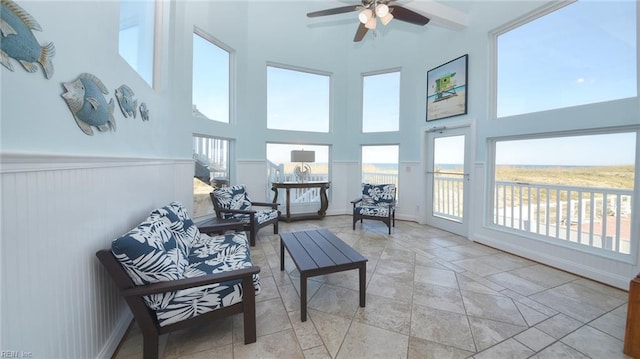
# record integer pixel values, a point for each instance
(85, 98)
(128, 105)
(18, 42)
(144, 112)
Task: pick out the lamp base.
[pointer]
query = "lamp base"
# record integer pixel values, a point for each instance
(302, 172)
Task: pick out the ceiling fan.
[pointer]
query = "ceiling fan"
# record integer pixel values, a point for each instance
(372, 9)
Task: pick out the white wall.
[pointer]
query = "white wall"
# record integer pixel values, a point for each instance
(69, 194)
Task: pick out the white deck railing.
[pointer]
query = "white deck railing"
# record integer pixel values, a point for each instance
(595, 217)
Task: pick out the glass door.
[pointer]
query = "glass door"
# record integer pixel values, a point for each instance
(448, 179)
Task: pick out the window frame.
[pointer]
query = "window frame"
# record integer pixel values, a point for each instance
(231, 111)
(362, 93)
(329, 76)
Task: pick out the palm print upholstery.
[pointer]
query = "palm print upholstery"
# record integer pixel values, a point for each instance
(236, 197)
(168, 246)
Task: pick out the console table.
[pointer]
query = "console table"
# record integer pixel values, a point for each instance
(324, 200)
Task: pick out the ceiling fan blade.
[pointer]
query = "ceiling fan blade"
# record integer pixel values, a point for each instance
(410, 16)
(337, 10)
(362, 30)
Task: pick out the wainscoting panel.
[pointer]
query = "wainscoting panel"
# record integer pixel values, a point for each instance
(57, 211)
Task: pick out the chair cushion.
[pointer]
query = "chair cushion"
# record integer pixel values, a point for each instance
(148, 254)
(210, 255)
(233, 197)
(181, 226)
(376, 211)
(381, 194)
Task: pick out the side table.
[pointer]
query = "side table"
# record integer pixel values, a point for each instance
(218, 225)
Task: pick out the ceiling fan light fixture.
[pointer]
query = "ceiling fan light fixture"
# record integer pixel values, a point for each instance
(386, 19)
(371, 24)
(382, 10)
(365, 16)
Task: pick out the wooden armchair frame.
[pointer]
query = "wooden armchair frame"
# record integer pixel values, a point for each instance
(389, 220)
(252, 227)
(147, 319)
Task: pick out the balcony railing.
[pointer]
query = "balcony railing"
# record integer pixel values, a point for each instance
(594, 217)
(598, 218)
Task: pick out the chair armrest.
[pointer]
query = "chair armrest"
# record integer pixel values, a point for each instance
(266, 204)
(239, 211)
(236, 226)
(356, 200)
(171, 286)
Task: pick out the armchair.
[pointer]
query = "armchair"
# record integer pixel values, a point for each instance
(377, 203)
(234, 203)
(172, 276)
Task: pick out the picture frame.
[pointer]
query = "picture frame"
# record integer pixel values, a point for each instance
(447, 89)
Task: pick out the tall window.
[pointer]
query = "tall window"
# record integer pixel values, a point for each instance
(575, 190)
(380, 164)
(582, 53)
(211, 79)
(280, 168)
(136, 38)
(297, 100)
(381, 102)
(211, 169)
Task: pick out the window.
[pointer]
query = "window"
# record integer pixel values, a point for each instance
(281, 169)
(582, 53)
(211, 79)
(136, 38)
(575, 190)
(380, 164)
(297, 100)
(381, 102)
(212, 158)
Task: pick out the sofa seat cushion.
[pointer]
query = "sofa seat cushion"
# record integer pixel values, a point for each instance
(210, 255)
(375, 211)
(148, 253)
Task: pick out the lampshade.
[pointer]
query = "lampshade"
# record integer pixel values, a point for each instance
(385, 19)
(303, 156)
(365, 15)
(382, 10)
(371, 24)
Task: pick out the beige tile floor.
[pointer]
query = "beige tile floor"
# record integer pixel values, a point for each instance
(430, 294)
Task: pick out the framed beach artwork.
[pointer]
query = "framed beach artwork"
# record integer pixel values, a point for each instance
(447, 89)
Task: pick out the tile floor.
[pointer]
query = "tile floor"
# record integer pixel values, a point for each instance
(430, 294)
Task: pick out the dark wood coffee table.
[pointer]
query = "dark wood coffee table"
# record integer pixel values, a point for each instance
(318, 252)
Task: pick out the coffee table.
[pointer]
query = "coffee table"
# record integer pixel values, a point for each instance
(317, 252)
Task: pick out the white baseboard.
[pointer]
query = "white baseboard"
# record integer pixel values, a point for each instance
(116, 336)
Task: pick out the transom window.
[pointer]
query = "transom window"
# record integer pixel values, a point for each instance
(136, 36)
(582, 53)
(211, 78)
(381, 102)
(297, 100)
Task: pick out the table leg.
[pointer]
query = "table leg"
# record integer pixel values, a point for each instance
(288, 202)
(363, 283)
(303, 297)
(281, 254)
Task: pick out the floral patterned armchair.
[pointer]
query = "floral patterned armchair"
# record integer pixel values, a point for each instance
(377, 202)
(233, 203)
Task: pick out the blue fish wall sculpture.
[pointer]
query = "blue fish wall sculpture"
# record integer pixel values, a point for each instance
(18, 42)
(85, 98)
(124, 95)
